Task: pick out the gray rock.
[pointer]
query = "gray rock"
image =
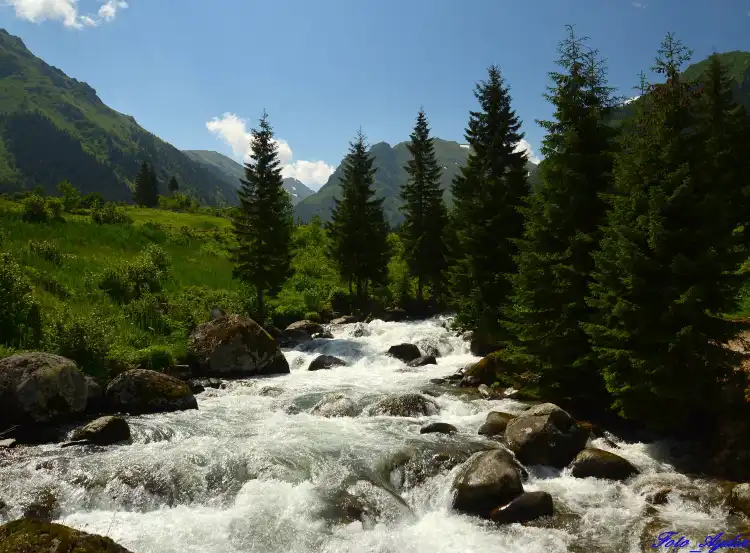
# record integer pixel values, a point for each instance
(326, 362)
(404, 352)
(335, 405)
(545, 435)
(301, 331)
(236, 346)
(345, 320)
(495, 424)
(140, 391)
(739, 499)
(406, 405)
(488, 480)
(438, 428)
(486, 392)
(597, 463)
(104, 431)
(524, 508)
(8, 443)
(40, 388)
(46, 537)
(422, 361)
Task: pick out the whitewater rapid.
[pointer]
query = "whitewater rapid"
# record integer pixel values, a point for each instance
(252, 471)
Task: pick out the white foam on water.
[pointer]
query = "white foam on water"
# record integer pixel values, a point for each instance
(243, 475)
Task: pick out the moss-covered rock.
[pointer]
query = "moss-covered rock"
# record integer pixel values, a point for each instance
(495, 424)
(104, 431)
(34, 536)
(406, 405)
(487, 370)
(140, 391)
(40, 388)
(597, 463)
(236, 346)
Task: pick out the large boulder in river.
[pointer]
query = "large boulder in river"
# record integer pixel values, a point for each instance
(325, 362)
(141, 391)
(104, 431)
(495, 424)
(301, 331)
(345, 320)
(406, 405)
(405, 352)
(236, 346)
(484, 371)
(438, 428)
(335, 404)
(39, 388)
(545, 435)
(526, 507)
(488, 480)
(597, 463)
(35, 536)
(739, 499)
(422, 361)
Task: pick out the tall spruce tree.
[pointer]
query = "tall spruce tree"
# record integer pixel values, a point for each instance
(664, 274)
(357, 229)
(562, 230)
(425, 215)
(173, 185)
(485, 218)
(263, 223)
(146, 191)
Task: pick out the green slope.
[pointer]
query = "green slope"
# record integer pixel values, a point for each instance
(227, 169)
(389, 164)
(53, 127)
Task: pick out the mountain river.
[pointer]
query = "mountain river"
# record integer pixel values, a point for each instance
(253, 471)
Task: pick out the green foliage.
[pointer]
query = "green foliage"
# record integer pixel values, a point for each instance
(110, 214)
(149, 313)
(562, 230)
(133, 279)
(71, 196)
(263, 227)
(179, 202)
(425, 215)
(20, 315)
(670, 252)
(485, 218)
(313, 316)
(146, 192)
(92, 200)
(35, 209)
(358, 219)
(83, 339)
(46, 250)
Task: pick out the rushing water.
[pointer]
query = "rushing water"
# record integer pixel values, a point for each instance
(253, 471)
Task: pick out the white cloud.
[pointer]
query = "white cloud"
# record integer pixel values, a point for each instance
(464, 145)
(233, 130)
(524, 145)
(629, 100)
(109, 10)
(640, 5)
(66, 11)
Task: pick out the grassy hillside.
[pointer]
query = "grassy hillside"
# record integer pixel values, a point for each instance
(131, 293)
(53, 127)
(231, 171)
(389, 163)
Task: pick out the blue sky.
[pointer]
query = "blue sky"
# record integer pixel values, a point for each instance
(194, 72)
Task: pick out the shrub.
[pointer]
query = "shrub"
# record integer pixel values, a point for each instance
(82, 339)
(55, 207)
(313, 316)
(148, 312)
(71, 197)
(110, 214)
(35, 209)
(46, 250)
(155, 358)
(4, 238)
(339, 300)
(20, 316)
(47, 282)
(92, 201)
(132, 279)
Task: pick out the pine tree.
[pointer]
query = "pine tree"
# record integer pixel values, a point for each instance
(263, 224)
(562, 230)
(357, 229)
(664, 273)
(173, 186)
(485, 218)
(425, 215)
(146, 187)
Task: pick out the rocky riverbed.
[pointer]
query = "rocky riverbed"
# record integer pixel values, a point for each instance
(367, 452)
